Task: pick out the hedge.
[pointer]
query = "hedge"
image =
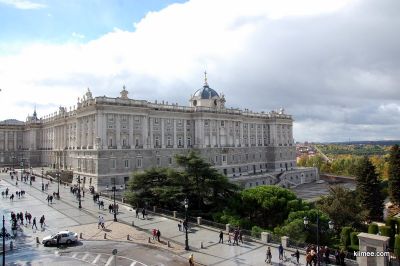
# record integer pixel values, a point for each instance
(397, 246)
(345, 236)
(373, 229)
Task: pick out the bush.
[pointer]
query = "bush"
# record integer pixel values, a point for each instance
(391, 221)
(256, 231)
(387, 231)
(398, 226)
(373, 229)
(397, 246)
(354, 238)
(345, 236)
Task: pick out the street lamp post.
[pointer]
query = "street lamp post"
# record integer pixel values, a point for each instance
(42, 180)
(58, 188)
(3, 232)
(331, 226)
(114, 188)
(186, 227)
(79, 192)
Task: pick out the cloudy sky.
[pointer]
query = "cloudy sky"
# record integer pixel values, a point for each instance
(333, 64)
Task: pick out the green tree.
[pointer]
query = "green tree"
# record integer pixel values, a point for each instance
(394, 174)
(267, 206)
(369, 189)
(342, 206)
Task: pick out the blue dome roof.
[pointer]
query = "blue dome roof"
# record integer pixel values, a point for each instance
(206, 92)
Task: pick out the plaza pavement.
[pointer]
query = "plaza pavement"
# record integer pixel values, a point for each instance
(64, 214)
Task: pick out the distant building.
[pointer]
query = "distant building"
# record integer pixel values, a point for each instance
(104, 139)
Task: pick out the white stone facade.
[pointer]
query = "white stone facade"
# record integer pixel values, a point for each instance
(105, 138)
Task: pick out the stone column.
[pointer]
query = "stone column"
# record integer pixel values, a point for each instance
(256, 126)
(248, 134)
(78, 133)
(118, 131)
(184, 134)
(284, 241)
(145, 132)
(6, 140)
(210, 132)
(151, 132)
(175, 139)
(90, 132)
(15, 140)
(241, 134)
(372, 243)
(162, 133)
(131, 136)
(103, 130)
(262, 135)
(218, 134)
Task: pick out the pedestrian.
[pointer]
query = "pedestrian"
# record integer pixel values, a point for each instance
(229, 237)
(268, 255)
(29, 217)
(99, 203)
(191, 260)
(48, 199)
(51, 199)
(109, 208)
(327, 253)
(83, 193)
(143, 213)
(2, 194)
(41, 222)
(297, 255)
(34, 223)
(12, 197)
(221, 237)
(280, 249)
(58, 240)
(6, 192)
(154, 233)
(137, 213)
(99, 224)
(180, 226)
(44, 223)
(241, 236)
(102, 222)
(158, 235)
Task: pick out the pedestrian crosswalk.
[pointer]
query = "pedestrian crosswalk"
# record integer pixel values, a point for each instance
(101, 259)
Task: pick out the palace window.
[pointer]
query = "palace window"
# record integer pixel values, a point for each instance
(156, 121)
(180, 141)
(139, 162)
(158, 161)
(126, 163)
(169, 141)
(113, 163)
(136, 142)
(157, 141)
(222, 123)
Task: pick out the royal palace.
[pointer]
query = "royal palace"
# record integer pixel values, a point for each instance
(105, 139)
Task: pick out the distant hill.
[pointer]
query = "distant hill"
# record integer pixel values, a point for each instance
(367, 142)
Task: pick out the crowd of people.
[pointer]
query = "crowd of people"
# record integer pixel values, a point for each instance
(312, 256)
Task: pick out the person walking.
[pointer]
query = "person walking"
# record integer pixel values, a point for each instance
(191, 260)
(280, 249)
(58, 240)
(34, 223)
(137, 213)
(158, 235)
(99, 224)
(180, 226)
(297, 255)
(143, 212)
(154, 231)
(268, 255)
(221, 237)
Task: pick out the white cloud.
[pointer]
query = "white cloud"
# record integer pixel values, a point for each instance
(260, 54)
(78, 35)
(23, 4)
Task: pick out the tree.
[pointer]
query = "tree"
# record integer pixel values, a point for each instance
(369, 189)
(267, 206)
(343, 207)
(394, 174)
(206, 189)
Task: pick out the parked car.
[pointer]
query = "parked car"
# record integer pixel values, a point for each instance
(67, 237)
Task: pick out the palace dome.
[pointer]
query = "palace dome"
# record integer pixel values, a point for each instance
(205, 93)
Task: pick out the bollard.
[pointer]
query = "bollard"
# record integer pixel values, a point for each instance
(37, 240)
(127, 237)
(11, 245)
(133, 223)
(201, 244)
(105, 235)
(149, 240)
(169, 244)
(80, 235)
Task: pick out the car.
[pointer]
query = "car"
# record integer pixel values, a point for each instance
(66, 237)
